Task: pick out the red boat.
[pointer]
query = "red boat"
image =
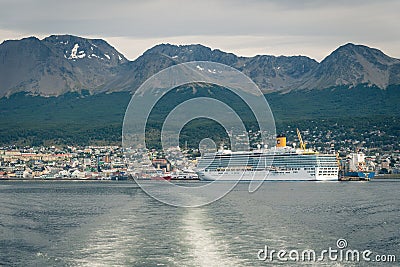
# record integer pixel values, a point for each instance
(160, 178)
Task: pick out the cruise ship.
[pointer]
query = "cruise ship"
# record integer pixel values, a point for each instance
(280, 163)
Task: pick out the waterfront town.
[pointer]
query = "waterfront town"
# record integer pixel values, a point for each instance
(108, 162)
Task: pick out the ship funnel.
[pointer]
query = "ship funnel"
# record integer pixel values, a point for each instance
(281, 140)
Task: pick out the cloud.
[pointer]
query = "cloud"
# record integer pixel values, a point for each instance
(297, 25)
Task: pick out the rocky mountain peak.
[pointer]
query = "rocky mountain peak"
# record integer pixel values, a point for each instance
(56, 64)
(193, 52)
(351, 65)
(77, 48)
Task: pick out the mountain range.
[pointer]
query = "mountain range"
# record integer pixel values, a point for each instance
(64, 63)
(65, 89)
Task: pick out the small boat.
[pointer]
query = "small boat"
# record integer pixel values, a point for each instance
(161, 177)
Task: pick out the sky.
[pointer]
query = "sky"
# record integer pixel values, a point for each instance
(312, 28)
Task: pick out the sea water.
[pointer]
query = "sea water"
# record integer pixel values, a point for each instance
(60, 223)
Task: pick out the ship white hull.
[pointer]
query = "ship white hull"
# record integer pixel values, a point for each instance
(300, 175)
(283, 164)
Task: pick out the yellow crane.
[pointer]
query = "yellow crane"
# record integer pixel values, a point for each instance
(302, 144)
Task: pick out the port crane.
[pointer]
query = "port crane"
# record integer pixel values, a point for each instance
(302, 144)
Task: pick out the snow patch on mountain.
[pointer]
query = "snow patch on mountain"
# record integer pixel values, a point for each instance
(75, 54)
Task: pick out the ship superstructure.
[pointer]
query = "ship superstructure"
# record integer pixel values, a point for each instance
(357, 166)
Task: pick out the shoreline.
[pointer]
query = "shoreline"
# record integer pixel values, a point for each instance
(86, 180)
(53, 180)
(387, 176)
(379, 177)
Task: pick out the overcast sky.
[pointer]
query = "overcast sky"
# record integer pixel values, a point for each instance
(278, 27)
